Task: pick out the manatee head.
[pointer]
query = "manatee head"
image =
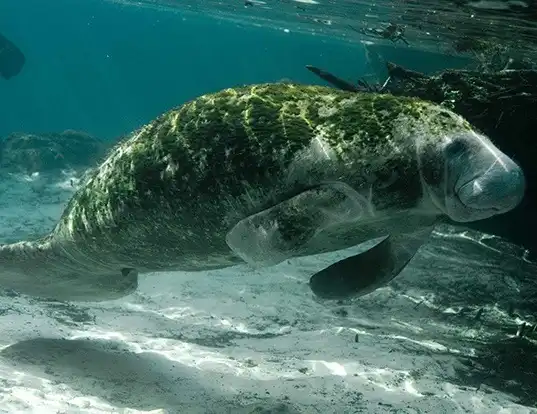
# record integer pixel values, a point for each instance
(465, 174)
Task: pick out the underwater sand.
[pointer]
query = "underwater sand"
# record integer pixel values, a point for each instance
(437, 340)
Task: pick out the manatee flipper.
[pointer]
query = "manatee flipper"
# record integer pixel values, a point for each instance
(365, 272)
(282, 231)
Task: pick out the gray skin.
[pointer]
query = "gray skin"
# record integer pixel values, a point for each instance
(261, 173)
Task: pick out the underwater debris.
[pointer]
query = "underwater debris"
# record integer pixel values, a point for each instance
(392, 32)
(507, 365)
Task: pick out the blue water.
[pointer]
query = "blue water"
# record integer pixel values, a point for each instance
(107, 69)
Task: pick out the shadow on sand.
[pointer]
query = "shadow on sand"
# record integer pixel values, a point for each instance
(143, 381)
(509, 366)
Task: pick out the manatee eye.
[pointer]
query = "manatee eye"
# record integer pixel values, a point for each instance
(455, 148)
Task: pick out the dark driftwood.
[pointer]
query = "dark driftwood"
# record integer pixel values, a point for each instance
(503, 105)
(333, 80)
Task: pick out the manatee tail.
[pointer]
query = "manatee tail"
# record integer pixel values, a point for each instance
(16, 261)
(46, 271)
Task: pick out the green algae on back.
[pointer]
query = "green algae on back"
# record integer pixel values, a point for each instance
(181, 181)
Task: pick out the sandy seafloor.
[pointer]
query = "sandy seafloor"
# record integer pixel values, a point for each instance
(438, 340)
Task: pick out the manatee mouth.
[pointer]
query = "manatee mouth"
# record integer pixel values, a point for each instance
(480, 180)
(489, 194)
(468, 193)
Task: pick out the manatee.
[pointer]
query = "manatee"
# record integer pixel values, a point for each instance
(11, 58)
(262, 173)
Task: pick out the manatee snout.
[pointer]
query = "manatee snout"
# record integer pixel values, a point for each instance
(486, 182)
(499, 188)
